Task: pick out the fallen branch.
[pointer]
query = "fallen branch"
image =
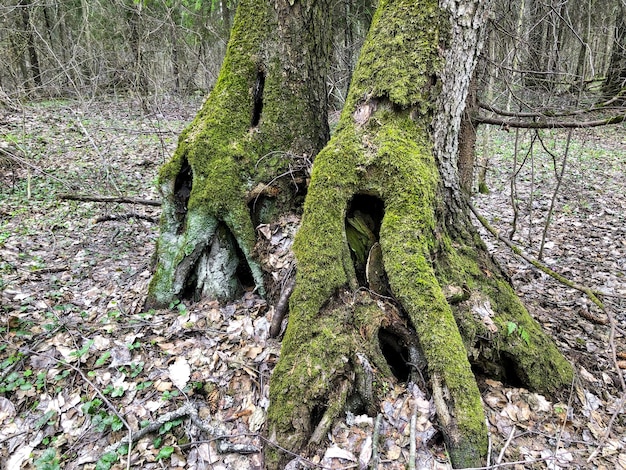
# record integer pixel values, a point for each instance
(540, 266)
(548, 113)
(281, 307)
(130, 215)
(190, 410)
(507, 123)
(124, 200)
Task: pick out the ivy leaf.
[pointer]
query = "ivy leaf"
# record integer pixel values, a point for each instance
(510, 327)
(165, 452)
(525, 336)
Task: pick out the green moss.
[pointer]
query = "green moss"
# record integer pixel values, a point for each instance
(538, 363)
(407, 37)
(227, 157)
(301, 379)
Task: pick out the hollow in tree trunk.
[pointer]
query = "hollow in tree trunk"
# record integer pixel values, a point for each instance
(246, 154)
(392, 276)
(393, 281)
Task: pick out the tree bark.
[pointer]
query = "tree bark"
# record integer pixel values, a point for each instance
(443, 298)
(263, 122)
(467, 140)
(393, 281)
(25, 6)
(616, 73)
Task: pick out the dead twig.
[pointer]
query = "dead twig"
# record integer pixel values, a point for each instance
(130, 215)
(123, 200)
(412, 443)
(506, 444)
(375, 457)
(281, 307)
(591, 294)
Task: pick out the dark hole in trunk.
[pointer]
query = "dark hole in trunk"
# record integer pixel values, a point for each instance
(502, 369)
(243, 272)
(396, 354)
(363, 220)
(258, 98)
(267, 208)
(317, 413)
(182, 190)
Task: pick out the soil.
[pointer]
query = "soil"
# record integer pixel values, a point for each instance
(82, 366)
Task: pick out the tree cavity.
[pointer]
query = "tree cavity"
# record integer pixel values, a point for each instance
(220, 270)
(257, 96)
(182, 190)
(362, 225)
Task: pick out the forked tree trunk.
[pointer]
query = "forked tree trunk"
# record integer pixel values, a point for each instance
(255, 135)
(391, 273)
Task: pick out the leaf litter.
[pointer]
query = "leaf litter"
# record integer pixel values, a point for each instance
(80, 360)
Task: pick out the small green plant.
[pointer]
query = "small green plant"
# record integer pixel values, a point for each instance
(165, 452)
(4, 236)
(167, 394)
(100, 418)
(136, 368)
(84, 350)
(15, 381)
(114, 314)
(40, 380)
(107, 461)
(181, 307)
(135, 345)
(167, 427)
(115, 392)
(62, 375)
(102, 359)
(144, 385)
(512, 327)
(48, 460)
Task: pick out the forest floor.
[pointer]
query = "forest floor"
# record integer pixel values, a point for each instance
(82, 367)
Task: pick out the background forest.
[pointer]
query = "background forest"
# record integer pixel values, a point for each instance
(93, 95)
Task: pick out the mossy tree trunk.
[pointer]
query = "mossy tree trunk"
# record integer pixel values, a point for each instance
(391, 273)
(237, 162)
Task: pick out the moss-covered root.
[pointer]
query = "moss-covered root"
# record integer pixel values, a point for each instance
(303, 382)
(456, 394)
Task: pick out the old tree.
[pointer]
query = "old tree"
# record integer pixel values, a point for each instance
(393, 282)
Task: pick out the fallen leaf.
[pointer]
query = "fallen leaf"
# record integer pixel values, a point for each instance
(335, 452)
(180, 372)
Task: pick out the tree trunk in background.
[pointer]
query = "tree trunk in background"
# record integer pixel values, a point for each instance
(616, 73)
(134, 24)
(174, 19)
(389, 264)
(27, 28)
(265, 117)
